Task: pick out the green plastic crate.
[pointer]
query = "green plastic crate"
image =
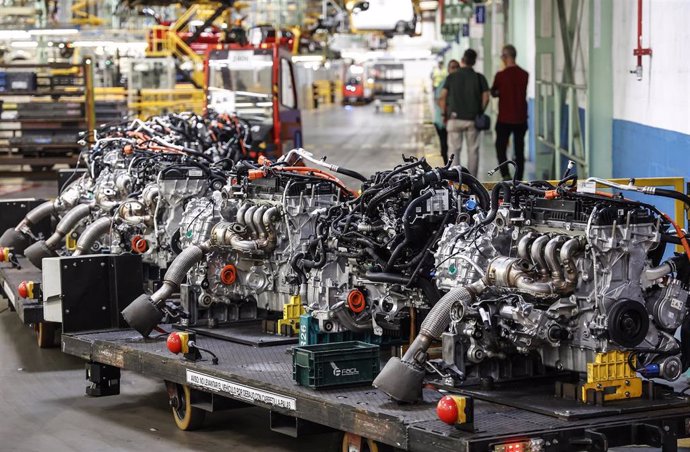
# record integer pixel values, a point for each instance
(337, 364)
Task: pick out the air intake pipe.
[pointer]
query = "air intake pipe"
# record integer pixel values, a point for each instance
(146, 311)
(402, 378)
(18, 237)
(91, 234)
(46, 248)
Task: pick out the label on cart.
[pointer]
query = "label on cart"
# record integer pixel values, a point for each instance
(240, 392)
(9, 293)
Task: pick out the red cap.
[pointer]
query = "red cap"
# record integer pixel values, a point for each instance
(23, 289)
(174, 343)
(447, 410)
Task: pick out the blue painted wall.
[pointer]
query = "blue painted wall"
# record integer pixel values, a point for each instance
(644, 151)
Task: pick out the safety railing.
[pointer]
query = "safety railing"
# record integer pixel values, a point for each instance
(552, 101)
(165, 42)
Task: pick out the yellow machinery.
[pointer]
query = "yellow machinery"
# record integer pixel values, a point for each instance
(167, 40)
(612, 375)
(85, 12)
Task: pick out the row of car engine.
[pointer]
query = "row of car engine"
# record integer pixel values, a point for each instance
(525, 279)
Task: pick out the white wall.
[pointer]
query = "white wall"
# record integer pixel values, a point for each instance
(662, 98)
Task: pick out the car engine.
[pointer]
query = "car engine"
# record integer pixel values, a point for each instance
(550, 278)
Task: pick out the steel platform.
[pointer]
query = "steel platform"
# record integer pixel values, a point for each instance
(262, 376)
(30, 310)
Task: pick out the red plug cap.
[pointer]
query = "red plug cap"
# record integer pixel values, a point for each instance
(447, 410)
(174, 343)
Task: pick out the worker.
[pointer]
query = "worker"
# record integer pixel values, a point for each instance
(464, 96)
(438, 75)
(439, 123)
(510, 86)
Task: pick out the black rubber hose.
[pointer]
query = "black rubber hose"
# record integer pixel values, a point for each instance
(495, 195)
(385, 194)
(351, 173)
(673, 194)
(401, 169)
(407, 219)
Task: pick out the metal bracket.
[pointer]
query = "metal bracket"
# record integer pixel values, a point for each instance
(105, 379)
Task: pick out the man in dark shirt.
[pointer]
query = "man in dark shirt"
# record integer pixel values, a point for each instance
(510, 86)
(465, 94)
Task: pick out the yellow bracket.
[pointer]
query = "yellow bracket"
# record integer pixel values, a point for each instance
(291, 313)
(612, 374)
(70, 242)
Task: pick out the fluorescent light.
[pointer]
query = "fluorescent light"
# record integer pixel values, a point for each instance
(53, 31)
(14, 34)
(307, 59)
(24, 44)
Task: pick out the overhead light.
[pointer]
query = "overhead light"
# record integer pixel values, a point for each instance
(53, 31)
(14, 34)
(307, 59)
(24, 44)
(428, 5)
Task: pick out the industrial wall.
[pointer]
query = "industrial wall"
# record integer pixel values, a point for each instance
(651, 117)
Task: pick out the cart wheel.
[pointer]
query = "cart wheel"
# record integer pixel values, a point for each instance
(186, 416)
(351, 443)
(46, 334)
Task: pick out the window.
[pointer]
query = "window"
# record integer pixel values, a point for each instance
(287, 88)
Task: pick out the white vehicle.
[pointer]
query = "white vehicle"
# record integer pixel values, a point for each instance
(389, 16)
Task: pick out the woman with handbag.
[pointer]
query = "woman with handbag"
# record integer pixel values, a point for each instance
(463, 99)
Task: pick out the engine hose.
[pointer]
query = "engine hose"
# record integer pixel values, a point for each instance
(92, 233)
(341, 313)
(401, 169)
(294, 264)
(385, 194)
(305, 263)
(177, 272)
(407, 220)
(38, 213)
(351, 173)
(495, 194)
(68, 222)
(402, 378)
(478, 189)
(673, 194)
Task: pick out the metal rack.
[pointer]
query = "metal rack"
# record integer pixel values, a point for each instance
(45, 110)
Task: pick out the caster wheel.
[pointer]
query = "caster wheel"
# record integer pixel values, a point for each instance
(185, 415)
(47, 334)
(354, 443)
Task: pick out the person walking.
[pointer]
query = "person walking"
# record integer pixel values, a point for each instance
(465, 95)
(439, 123)
(510, 86)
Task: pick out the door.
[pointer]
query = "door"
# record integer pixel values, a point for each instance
(289, 124)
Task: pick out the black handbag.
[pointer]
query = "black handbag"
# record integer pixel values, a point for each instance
(482, 121)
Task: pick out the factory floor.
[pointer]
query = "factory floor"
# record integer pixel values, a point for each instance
(42, 401)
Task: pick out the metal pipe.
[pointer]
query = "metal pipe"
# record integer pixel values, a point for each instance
(525, 243)
(68, 222)
(551, 254)
(92, 233)
(537, 254)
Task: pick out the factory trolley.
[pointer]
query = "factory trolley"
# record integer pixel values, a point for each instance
(262, 376)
